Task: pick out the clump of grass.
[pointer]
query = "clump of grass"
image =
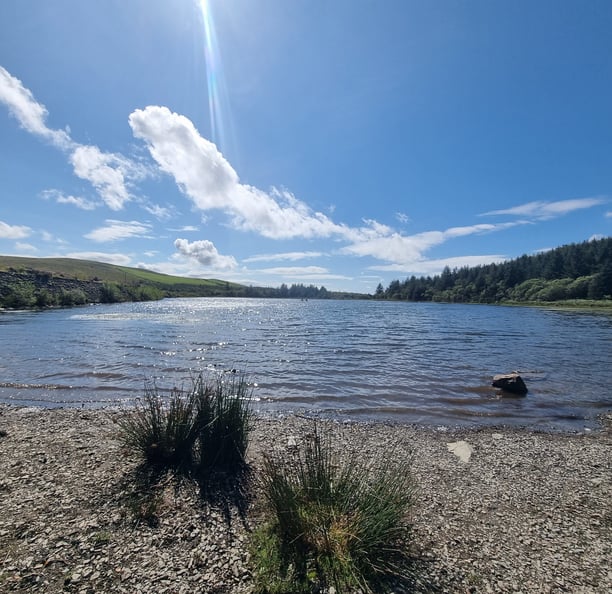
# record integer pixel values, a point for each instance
(224, 420)
(205, 429)
(334, 522)
(162, 432)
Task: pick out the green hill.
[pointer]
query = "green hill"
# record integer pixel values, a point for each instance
(29, 282)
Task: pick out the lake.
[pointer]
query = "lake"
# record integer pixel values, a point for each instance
(421, 363)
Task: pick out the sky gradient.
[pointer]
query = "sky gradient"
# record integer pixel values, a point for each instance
(343, 144)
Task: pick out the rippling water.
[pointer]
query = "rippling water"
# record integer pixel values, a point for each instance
(422, 363)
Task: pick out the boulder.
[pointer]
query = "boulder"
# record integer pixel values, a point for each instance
(510, 382)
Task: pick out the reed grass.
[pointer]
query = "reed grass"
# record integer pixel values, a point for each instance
(204, 429)
(334, 521)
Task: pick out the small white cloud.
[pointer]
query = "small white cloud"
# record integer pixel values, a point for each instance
(291, 256)
(30, 114)
(117, 259)
(25, 247)
(296, 270)
(117, 230)
(14, 231)
(105, 171)
(402, 217)
(548, 210)
(432, 267)
(205, 253)
(609, 214)
(161, 213)
(186, 229)
(60, 198)
(596, 237)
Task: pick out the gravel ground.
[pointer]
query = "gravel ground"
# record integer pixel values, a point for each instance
(527, 512)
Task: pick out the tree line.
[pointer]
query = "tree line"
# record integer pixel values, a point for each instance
(575, 271)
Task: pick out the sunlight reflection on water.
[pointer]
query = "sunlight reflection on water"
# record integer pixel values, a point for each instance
(423, 363)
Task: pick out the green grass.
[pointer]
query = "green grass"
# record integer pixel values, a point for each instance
(204, 429)
(333, 522)
(161, 431)
(89, 270)
(224, 423)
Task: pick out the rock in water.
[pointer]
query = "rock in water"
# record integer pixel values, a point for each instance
(510, 382)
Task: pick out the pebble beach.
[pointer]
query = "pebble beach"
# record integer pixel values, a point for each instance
(496, 510)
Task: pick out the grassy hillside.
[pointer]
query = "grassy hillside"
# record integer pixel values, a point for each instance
(43, 282)
(101, 271)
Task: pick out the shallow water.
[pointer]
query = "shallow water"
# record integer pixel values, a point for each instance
(411, 362)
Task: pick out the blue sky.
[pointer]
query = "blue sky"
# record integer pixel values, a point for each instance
(341, 143)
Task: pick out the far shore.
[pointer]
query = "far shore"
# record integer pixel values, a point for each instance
(508, 510)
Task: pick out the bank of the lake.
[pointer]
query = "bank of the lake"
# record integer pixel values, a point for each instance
(529, 511)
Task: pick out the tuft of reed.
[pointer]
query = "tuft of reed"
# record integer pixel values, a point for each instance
(162, 431)
(224, 422)
(335, 521)
(205, 429)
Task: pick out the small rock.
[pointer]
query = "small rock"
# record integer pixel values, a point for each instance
(462, 449)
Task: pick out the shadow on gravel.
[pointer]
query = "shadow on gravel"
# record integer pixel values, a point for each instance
(141, 492)
(227, 492)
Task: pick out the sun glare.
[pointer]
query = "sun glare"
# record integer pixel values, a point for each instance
(217, 103)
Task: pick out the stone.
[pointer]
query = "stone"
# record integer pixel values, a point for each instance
(462, 449)
(510, 382)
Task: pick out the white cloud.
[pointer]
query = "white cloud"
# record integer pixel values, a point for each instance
(205, 253)
(186, 229)
(116, 230)
(548, 210)
(292, 256)
(14, 231)
(30, 114)
(296, 270)
(609, 214)
(205, 176)
(433, 267)
(117, 259)
(105, 171)
(109, 173)
(25, 247)
(408, 250)
(60, 198)
(161, 213)
(402, 217)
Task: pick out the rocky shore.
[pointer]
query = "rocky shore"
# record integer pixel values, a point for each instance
(498, 510)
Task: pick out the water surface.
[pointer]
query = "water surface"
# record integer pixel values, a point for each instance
(410, 362)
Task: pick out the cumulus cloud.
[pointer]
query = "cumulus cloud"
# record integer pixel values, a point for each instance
(109, 173)
(548, 210)
(14, 231)
(205, 253)
(206, 177)
(117, 230)
(105, 171)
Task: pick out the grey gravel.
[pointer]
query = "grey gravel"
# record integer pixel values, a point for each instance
(527, 512)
